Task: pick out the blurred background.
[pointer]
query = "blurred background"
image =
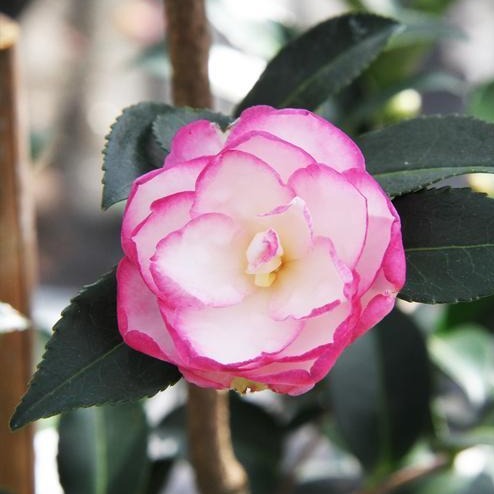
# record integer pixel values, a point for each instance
(83, 61)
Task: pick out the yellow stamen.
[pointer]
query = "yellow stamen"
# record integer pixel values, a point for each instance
(264, 279)
(243, 386)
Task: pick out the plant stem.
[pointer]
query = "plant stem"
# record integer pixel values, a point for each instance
(406, 476)
(188, 45)
(210, 445)
(211, 452)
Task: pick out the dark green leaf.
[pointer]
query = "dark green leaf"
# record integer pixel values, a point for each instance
(481, 104)
(380, 391)
(103, 450)
(87, 363)
(160, 469)
(479, 311)
(321, 62)
(130, 150)
(416, 153)
(430, 81)
(466, 355)
(448, 236)
(328, 486)
(166, 125)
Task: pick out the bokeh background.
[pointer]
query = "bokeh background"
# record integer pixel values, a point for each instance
(83, 61)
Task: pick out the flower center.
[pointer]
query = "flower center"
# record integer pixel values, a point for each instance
(243, 386)
(264, 257)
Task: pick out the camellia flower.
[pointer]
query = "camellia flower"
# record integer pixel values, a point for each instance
(255, 256)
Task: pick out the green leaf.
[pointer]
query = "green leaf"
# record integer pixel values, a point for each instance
(160, 470)
(87, 363)
(166, 125)
(430, 81)
(448, 235)
(342, 485)
(481, 102)
(413, 154)
(466, 355)
(321, 62)
(103, 450)
(380, 391)
(130, 150)
(479, 311)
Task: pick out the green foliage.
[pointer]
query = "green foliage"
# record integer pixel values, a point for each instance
(321, 62)
(448, 236)
(466, 354)
(380, 390)
(160, 469)
(481, 102)
(87, 363)
(165, 126)
(139, 141)
(130, 150)
(103, 450)
(413, 154)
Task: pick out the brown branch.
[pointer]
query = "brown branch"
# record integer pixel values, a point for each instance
(210, 445)
(406, 476)
(188, 45)
(16, 269)
(217, 470)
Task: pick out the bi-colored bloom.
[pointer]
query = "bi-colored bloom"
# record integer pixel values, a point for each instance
(255, 256)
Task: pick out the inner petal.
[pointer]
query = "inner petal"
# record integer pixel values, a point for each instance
(311, 285)
(264, 257)
(205, 260)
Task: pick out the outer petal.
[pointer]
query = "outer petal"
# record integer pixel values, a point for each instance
(311, 285)
(281, 155)
(168, 214)
(139, 318)
(323, 141)
(380, 298)
(381, 217)
(206, 259)
(195, 140)
(150, 187)
(231, 335)
(239, 185)
(337, 208)
(319, 332)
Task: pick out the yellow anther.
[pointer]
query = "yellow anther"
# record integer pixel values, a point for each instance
(243, 386)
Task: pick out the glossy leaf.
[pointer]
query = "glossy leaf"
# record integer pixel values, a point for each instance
(87, 363)
(103, 450)
(130, 150)
(448, 236)
(379, 392)
(466, 355)
(481, 102)
(328, 486)
(321, 62)
(413, 154)
(160, 470)
(167, 124)
(479, 311)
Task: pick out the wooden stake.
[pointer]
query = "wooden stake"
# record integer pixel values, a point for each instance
(16, 271)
